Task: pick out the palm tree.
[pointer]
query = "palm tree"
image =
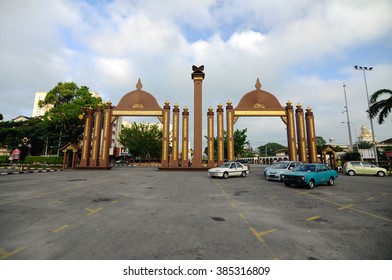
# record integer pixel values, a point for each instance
(381, 108)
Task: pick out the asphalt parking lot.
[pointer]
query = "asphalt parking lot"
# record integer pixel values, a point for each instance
(143, 213)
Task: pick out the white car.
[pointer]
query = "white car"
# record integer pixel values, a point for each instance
(275, 171)
(229, 169)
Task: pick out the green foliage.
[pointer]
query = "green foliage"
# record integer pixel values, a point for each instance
(240, 141)
(4, 159)
(34, 160)
(270, 149)
(68, 102)
(43, 160)
(382, 107)
(142, 140)
(351, 155)
(320, 142)
(41, 135)
(364, 145)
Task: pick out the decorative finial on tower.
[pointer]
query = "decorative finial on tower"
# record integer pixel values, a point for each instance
(139, 85)
(198, 72)
(258, 84)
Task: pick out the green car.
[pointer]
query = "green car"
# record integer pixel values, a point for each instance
(310, 174)
(363, 168)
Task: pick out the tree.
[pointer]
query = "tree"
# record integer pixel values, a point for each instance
(1, 117)
(270, 149)
(383, 107)
(67, 103)
(142, 140)
(320, 142)
(240, 141)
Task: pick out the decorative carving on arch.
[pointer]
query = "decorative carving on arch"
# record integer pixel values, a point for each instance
(259, 102)
(138, 103)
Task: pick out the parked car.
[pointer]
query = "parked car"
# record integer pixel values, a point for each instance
(310, 174)
(229, 169)
(265, 170)
(244, 162)
(276, 170)
(362, 167)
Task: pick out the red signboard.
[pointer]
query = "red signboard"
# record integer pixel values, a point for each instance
(388, 153)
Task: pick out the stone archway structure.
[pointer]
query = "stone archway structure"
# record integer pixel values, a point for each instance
(97, 138)
(134, 103)
(261, 103)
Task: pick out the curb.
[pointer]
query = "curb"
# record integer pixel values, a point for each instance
(29, 171)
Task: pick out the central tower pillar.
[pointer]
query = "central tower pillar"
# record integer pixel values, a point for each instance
(198, 77)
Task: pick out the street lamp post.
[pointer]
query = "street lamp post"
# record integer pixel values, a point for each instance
(363, 69)
(348, 118)
(356, 135)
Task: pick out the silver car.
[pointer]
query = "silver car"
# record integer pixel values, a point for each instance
(277, 169)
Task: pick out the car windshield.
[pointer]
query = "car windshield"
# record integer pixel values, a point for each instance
(280, 165)
(305, 168)
(226, 165)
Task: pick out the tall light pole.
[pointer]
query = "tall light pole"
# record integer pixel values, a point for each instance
(363, 69)
(356, 135)
(348, 118)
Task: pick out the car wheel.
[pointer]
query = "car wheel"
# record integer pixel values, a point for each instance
(351, 173)
(331, 181)
(287, 184)
(380, 174)
(243, 174)
(225, 175)
(311, 184)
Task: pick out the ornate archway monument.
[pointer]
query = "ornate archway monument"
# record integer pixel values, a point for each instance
(97, 136)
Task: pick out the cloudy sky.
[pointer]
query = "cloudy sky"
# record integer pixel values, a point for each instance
(301, 50)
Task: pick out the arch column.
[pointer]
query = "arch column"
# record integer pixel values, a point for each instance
(176, 112)
(107, 136)
(291, 131)
(230, 133)
(85, 160)
(96, 137)
(299, 116)
(165, 136)
(221, 149)
(311, 135)
(185, 135)
(210, 120)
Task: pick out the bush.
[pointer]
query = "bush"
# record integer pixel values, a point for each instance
(43, 160)
(4, 159)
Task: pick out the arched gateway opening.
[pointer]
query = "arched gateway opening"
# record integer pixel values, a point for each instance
(97, 136)
(262, 104)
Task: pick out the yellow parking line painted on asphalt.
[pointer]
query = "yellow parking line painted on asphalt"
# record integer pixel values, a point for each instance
(126, 195)
(345, 207)
(92, 211)
(370, 198)
(60, 228)
(4, 254)
(313, 218)
(233, 204)
(39, 195)
(302, 192)
(259, 236)
(242, 216)
(351, 208)
(59, 202)
(114, 201)
(384, 193)
(274, 197)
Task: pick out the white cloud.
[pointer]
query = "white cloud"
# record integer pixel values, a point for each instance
(301, 50)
